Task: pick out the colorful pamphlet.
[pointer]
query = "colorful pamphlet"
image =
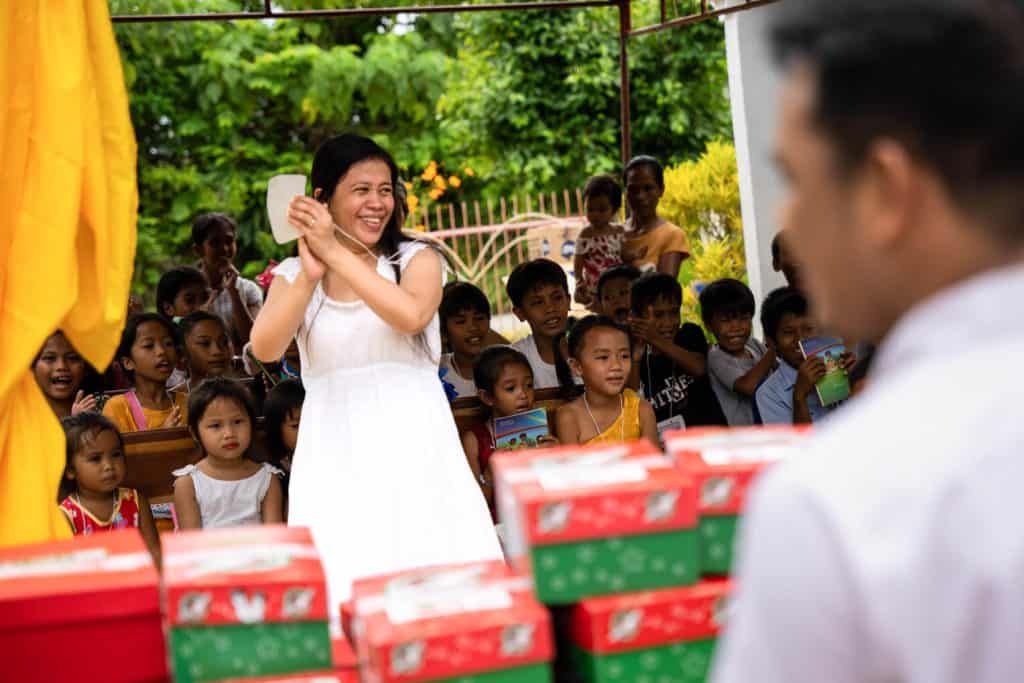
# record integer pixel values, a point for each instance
(835, 385)
(521, 430)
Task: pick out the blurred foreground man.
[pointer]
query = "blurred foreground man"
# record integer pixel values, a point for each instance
(893, 550)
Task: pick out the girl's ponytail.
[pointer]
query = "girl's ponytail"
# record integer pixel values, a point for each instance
(562, 369)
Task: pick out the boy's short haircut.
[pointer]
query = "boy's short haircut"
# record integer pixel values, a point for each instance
(604, 185)
(175, 280)
(528, 276)
(462, 296)
(653, 286)
(648, 162)
(726, 297)
(777, 304)
(205, 223)
(621, 271)
(492, 360)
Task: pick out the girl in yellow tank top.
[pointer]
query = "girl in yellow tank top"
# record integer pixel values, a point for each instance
(607, 412)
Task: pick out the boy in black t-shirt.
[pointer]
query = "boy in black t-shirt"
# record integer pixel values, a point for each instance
(672, 372)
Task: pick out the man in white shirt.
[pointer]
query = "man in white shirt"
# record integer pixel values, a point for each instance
(893, 549)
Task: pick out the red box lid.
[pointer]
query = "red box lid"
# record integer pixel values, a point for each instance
(87, 578)
(308, 677)
(574, 493)
(447, 621)
(245, 575)
(342, 654)
(725, 460)
(619, 623)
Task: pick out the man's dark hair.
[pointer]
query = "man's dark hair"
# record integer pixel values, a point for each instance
(944, 78)
(726, 296)
(459, 297)
(175, 280)
(621, 271)
(604, 185)
(528, 276)
(653, 286)
(777, 304)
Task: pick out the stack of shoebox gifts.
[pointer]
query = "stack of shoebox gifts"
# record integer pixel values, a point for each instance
(617, 569)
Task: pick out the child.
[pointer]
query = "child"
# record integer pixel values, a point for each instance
(600, 352)
(91, 496)
(672, 370)
(599, 245)
(465, 316)
(539, 291)
(737, 363)
(149, 353)
(282, 413)
(182, 290)
(652, 243)
(64, 377)
(613, 290)
(782, 261)
(504, 382)
(234, 298)
(225, 488)
(208, 348)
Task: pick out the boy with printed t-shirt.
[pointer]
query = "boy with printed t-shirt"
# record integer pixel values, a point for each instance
(539, 291)
(671, 372)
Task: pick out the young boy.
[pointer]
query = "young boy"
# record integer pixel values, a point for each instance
(182, 290)
(613, 289)
(539, 291)
(737, 363)
(788, 395)
(672, 368)
(465, 316)
(782, 261)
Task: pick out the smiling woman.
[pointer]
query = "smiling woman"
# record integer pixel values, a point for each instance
(378, 472)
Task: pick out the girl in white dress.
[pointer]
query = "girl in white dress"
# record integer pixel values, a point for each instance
(378, 472)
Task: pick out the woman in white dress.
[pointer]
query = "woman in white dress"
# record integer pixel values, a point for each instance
(378, 473)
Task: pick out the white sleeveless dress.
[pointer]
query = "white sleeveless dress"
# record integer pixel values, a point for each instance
(379, 474)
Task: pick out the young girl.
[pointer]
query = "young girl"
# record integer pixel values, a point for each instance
(91, 495)
(600, 351)
(225, 488)
(652, 243)
(208, 347)
(282, 413)
(234, 298)
(64, 377)
(504, 383)
(149, 351)
(599, 246)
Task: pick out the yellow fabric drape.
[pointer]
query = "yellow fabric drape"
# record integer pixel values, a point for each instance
(68, 202)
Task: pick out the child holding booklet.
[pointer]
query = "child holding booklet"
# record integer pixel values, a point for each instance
(504, 382)
(600, 352)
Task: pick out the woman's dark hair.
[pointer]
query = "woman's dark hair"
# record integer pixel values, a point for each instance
(333, 159)
(653, 286)
(76, 429)
(173, 281)
(189, 322)
(728, 297)
(491, 362)
(209, 391)
(942, 78)
(285, 397)
(577, 336)
(131, 330)
(648, 162)
(459, 297)
(204, 224)
(604, 185)
(778, 303)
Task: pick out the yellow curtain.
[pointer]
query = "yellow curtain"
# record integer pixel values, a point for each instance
(68, 203)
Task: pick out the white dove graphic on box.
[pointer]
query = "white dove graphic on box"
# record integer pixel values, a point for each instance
(249, 609)
(624, 625)
(660, 505)
(193, 607)
(407, 657)
(554, 517)
(517, 639)
(297, 602)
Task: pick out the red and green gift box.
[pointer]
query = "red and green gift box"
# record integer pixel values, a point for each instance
(724, 462)
(68, 607)
(470, 623)
(244, 603)
(596, 520)
(665, 635)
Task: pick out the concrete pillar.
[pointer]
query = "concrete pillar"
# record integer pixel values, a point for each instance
(753, 91)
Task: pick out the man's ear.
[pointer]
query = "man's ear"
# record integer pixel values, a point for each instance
(890, 185)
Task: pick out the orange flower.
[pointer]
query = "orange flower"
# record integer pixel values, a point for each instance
(439, 182)
(454, 181)
(408, 186)
(421, 228)
(413, 202)
(436, 193)
(468, 172)
(430, 172)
